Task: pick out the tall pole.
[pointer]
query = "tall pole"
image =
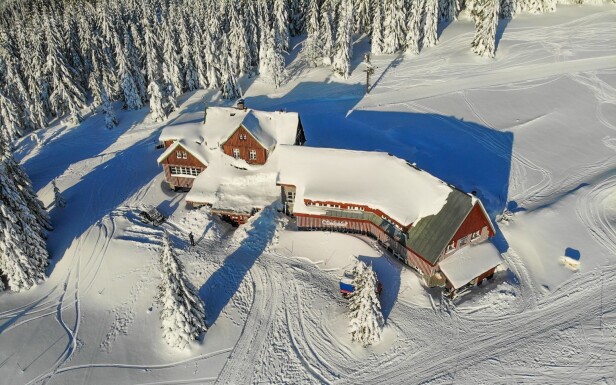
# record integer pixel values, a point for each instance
(369, 71)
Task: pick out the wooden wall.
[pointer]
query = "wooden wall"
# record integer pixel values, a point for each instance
(245, 145)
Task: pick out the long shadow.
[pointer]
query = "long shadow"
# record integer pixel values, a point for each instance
(467, 155)
(99, 192)
(388, 274)
(500, 29)
(70, 145)
(225, 282)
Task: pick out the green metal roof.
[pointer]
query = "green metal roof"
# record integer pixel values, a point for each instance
(431, 234)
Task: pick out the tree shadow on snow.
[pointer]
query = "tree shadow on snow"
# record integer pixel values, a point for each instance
(388, 272)
(70, 145)
(99, 192)
(500, 30)
(465, 154)
(222, 285)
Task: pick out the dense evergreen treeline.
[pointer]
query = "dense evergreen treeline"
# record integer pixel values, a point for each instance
(58, 56)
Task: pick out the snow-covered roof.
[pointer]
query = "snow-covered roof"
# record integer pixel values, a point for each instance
(224, 186)
(269, 128)
(194, 148)
(470, 262)
(375, 179)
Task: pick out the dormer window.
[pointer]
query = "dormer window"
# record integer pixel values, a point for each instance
(450, 247)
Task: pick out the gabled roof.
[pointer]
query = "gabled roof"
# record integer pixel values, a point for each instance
(268, 128)
(469, 263)
(431, 234)
(199, 154)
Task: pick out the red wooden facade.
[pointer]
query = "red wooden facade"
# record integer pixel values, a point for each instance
(241, 144)
(181, 167)
(474, 229)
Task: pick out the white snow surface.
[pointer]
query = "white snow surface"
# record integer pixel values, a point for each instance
(375, 179)
(267, 127)
(532, 130)
(469, 262)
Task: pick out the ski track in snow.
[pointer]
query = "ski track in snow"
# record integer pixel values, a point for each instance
(591, 209)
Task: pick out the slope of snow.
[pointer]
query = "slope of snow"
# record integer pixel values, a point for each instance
(538, 139)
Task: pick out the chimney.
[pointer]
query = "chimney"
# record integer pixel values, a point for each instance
(241, 105)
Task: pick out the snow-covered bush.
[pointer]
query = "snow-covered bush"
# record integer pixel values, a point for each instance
(156, 102)
(183, 312)
(366, 319)
(110, 117)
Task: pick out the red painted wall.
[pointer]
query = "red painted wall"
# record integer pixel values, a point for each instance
(245, 145)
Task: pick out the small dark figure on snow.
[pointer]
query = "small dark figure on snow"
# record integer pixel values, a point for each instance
(192, 239)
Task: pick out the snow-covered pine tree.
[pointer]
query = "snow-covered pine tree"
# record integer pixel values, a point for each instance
(549, 5)
(271, 63)
(191, 76)
(413, 33)
(134, 61)
(238, 43)
(9, 117)
(132, 99)
(183, 312)
(363, 15)
(394, 34)
(485, 14)
(532, 6)
(344, 43)
(230, 88)
(297, 15)
(58, 199)
(23, 220)
(430, 32)
(281, 24)
(110, 117)
(157, 109)
(312, 44)
(327, 31)
(252, 32)
(377, 29)
(67, 96)
(508, 9)
(172, 80)
(366, 319)
(449, 9)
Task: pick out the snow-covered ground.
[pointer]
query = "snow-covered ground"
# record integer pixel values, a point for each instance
(532, 131)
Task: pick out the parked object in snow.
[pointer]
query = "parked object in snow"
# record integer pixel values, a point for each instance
(346, 284)
(151, 216)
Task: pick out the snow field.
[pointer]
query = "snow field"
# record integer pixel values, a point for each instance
(541, 136)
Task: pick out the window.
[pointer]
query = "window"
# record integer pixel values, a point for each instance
(181, 155)
(450, 247)
(253, 154)
(463, 241)
(475, 235)
(290, 196)
(243, 137)
(236, 153)
(184, 171)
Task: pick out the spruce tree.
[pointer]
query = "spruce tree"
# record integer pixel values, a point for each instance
(377, 29)
(238, 43)
(281, 24)
(110, 117)
(344, 47)
(157, 109)
(23, 224)
(66, 96)
(395, 16)
(312, 44)
(132, 99)
(413, 28)
(366, 319)
(430, 32)
(485, 15)
(327, 31)
(183, 312)
(363, 15)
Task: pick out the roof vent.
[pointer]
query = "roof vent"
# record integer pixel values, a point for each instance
(241, 105)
